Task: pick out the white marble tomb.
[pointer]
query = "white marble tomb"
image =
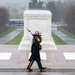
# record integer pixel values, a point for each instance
(37, 20)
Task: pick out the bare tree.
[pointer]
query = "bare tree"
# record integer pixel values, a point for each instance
(4, 16)
(69, 19)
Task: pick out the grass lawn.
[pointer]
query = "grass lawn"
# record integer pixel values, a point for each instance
(66, 32)
(18, 38)
(7, 31)
(57, 40)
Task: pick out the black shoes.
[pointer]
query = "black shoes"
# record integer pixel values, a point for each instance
(41, 69)
(29, 69)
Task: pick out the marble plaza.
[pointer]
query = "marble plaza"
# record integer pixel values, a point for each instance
(58, 62)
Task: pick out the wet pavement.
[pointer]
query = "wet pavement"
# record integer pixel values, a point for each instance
(64, 37)
(10, 36)
(56, 63)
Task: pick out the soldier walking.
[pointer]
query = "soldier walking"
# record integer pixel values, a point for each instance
(35, 52)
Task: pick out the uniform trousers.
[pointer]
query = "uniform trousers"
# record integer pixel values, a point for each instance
(38, 63)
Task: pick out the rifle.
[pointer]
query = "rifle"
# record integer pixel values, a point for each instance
(34, 37)
(30, 31)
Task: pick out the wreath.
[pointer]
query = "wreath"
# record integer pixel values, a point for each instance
(40, 39)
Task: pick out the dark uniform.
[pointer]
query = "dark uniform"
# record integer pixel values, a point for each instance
(35, 53)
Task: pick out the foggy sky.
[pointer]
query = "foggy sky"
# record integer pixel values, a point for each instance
(21, 3)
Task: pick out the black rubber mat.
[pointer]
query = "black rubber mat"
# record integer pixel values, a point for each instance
(36, 70)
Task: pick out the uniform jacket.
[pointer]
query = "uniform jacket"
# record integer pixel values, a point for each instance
(35, 50)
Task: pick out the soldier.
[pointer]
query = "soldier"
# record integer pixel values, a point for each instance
(35, 52)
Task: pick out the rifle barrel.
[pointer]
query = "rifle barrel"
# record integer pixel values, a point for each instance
(30, 31)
